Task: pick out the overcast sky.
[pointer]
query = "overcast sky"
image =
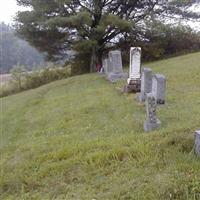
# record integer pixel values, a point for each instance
(8, 9)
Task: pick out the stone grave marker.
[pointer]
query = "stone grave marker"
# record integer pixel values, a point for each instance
(146, 84)
(159, 88)
(115, 60)
(134, 80)
(152, 122)
(107, 66)
(197, 142)
(135, 64)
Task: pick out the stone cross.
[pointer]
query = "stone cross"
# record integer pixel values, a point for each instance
(151, 122)
(135, 64)
(146, 84)
(116, 61)
(197, 142)
(159, 87)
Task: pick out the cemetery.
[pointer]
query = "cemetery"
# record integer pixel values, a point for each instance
(67, 136)
(114, 113)
(151, 87)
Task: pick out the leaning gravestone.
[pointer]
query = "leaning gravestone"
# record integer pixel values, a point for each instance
(197, 142)
(146, 84)
(158, 88)
(151, 122)
(115, 60)
(134, 80)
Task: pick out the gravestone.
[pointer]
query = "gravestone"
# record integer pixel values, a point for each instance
(197, 142)
(159, 87)
(107, 66)
(134, 80)
(151, 122)
(146, 84)
(135, 64)
(115, 62)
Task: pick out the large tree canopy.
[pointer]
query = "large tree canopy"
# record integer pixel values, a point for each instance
(87, 26)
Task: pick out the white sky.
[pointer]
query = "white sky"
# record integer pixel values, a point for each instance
(9, 8)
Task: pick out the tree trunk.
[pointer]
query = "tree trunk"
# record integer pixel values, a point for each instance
(95, 60)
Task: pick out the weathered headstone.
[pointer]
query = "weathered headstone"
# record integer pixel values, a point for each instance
(115, 61)
(197, 142)
(107, 66)
(159, 87)
(152, 122)
(146, 84)
(134, 80)
(135, 64)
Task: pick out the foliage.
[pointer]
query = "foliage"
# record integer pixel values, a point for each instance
(18, 73)
(23, 81)
(80, 138)
(16, 51)
(45, 76)
(160, 41)
(88, 26)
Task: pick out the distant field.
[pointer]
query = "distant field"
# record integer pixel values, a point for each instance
(81, 139)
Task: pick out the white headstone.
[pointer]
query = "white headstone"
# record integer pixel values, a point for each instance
(135, 64)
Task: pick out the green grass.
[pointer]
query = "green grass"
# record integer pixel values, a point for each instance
(81, 139)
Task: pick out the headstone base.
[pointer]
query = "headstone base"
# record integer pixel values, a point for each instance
(148, 126)
(133, 86)
(114, 77)
(197, 142)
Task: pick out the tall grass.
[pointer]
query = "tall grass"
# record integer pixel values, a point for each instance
(80, 138)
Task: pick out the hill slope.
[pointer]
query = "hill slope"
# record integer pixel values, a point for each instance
(80, 138)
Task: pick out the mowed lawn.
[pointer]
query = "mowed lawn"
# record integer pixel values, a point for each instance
(82, 139)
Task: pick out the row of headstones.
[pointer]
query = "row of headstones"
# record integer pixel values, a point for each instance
(151, 86)
(112, 65)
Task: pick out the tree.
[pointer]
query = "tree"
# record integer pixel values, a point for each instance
(88, 26)
(160, 40)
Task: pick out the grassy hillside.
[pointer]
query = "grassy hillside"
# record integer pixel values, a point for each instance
(80, 138)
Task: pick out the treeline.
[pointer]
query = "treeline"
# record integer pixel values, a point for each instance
(160, 41)
(16, 51)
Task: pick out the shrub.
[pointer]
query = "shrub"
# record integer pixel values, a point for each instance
(38, 78)
(23, 80)
(18, 73)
